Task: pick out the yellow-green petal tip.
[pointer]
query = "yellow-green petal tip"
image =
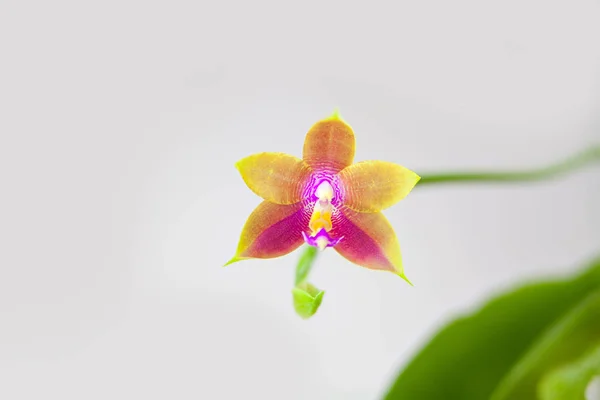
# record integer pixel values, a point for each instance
(234, 259)
(401, 275)
(336, 115)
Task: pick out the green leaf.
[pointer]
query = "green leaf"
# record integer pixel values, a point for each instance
(571, 337)
(570, 381)
(469, 358)
(307, 299)
(305, 264)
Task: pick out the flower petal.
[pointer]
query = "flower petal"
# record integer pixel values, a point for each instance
(368, 240)
(276, 177)
(329, 145)
(371, 186)
(272, 230)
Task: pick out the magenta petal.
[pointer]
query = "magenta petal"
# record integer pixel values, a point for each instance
(272, 230)
(369, 240)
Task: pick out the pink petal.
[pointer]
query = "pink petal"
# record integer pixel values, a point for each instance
(368, 240)
(272, 230)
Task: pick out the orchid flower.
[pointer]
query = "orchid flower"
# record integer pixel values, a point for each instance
(324, 200)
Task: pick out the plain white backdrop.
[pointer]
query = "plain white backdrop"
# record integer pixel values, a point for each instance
(120, 123)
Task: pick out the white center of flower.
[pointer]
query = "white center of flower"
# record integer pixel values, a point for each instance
(324, 191)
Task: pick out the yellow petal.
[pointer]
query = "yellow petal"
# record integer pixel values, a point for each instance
(368, 240)
(329, 145)
(372, 186)
(272, 230)
(276, 177)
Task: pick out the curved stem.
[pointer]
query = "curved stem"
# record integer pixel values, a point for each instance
(305, 264)
(570, 164)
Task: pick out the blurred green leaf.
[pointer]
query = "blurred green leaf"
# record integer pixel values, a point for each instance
(469, 358)
(305, 264)
(571, 381)
(572, 336)
(307, 299)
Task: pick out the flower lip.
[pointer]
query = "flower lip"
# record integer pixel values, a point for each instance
(321, 240)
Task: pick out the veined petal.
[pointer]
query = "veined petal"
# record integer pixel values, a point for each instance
(272, 230)
(329, 145)
(371, 186)
(368, 240)
(276, 177)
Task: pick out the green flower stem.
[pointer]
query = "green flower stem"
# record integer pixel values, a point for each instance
(306, 297)
(305, 264)
(568, 165)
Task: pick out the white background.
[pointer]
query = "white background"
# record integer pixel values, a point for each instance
(120, 122)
